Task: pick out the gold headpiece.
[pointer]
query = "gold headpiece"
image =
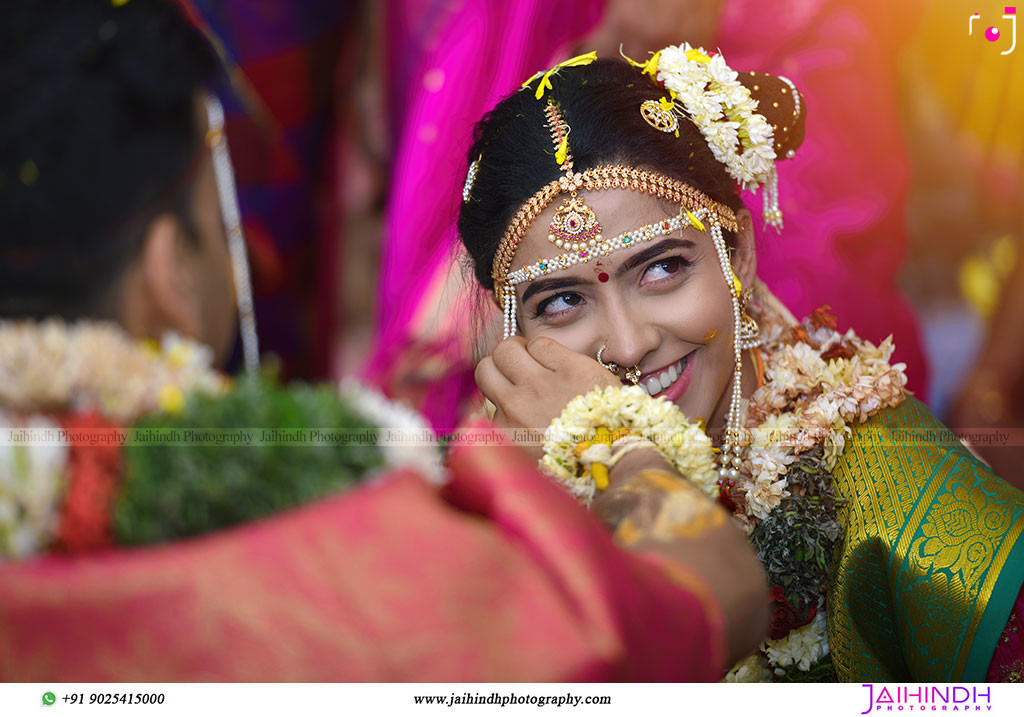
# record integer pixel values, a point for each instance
(659, 115)
(574, 222)
(696, 206)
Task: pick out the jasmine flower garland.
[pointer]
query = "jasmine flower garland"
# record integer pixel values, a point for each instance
(627, 410)
(95, 365)
(721, 107)
(51, 369)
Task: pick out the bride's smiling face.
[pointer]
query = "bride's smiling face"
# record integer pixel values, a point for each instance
(662, 304)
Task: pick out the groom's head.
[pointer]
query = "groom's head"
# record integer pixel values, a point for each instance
(108, 200)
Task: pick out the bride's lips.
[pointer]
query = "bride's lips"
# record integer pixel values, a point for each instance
(676, 388)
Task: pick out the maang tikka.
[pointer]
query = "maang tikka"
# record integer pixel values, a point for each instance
(574, 225)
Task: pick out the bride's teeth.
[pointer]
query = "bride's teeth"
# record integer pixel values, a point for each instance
(656, 384)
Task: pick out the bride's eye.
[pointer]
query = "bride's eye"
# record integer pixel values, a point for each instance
(558, 304)
(664, 269)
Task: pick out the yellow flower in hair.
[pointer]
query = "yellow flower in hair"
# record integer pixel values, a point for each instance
(563, 150)
(545, 81)
(697, 56)
(646, 68)
(694, 221)
(668, 105)
(651, 66)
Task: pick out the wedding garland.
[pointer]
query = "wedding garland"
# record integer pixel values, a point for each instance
(109, 484)
(817, 383)
(54, 367)
(55, 377)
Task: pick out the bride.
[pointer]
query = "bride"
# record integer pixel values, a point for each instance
(601, 210)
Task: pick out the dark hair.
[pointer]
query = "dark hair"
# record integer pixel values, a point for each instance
(601, 103)
(98, 135)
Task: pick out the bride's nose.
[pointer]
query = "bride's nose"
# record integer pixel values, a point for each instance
(630, 336)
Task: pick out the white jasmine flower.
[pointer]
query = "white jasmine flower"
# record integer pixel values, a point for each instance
(752, 668)
(766, 489)
(722, 108)
(32, 478)
(802, 647)
(720, 71)
(405, 439)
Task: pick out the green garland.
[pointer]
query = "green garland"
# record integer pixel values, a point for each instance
(797, 541)
(175, 491)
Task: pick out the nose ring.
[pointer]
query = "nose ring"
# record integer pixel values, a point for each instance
(611, 365)
(633, 375)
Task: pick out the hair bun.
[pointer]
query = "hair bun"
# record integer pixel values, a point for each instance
(780, 102)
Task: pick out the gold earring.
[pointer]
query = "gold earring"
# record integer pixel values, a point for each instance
(749, 335)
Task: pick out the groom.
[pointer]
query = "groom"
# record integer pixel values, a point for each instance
(109, 211)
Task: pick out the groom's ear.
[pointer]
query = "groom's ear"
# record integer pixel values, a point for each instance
(159, 292)
(744, 255)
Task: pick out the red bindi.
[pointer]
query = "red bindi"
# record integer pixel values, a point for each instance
(602, 277)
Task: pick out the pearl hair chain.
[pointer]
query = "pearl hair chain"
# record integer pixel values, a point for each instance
(510, 314)
(731, 457)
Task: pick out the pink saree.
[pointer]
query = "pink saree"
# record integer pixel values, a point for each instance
(498, 577)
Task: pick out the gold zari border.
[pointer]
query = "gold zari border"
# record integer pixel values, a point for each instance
(928, 530)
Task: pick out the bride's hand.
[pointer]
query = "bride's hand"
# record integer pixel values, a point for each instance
(531, 382)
